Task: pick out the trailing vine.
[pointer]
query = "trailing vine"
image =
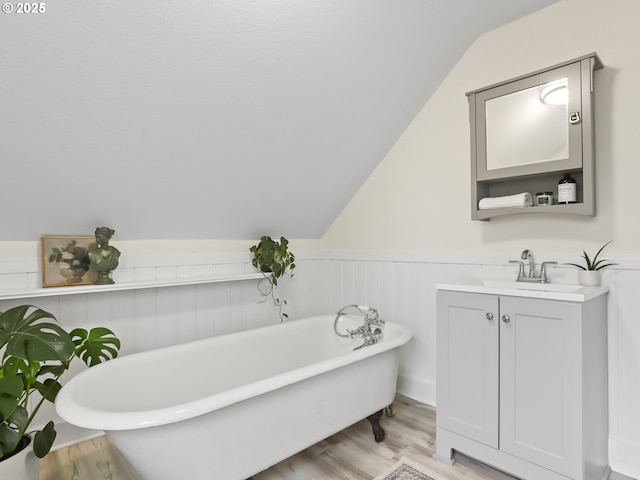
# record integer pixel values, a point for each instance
(274, 260)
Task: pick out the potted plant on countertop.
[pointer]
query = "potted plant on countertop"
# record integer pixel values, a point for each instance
(35, 352)
(589, 274)
(274, 260)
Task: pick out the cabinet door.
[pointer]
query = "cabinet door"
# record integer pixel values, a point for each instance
(540, 382)
(518, 134)
(467, 367)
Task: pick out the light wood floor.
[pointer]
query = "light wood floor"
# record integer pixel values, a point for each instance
(349, 455)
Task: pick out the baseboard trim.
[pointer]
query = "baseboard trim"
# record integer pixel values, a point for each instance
(623, 457)
(68, 435)
(419, 390)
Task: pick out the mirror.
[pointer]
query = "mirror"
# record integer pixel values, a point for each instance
(524, 126)
(528, 126)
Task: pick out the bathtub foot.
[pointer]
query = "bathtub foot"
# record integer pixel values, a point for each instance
(378, 432)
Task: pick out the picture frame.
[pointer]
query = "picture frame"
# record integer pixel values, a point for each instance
(65, 260)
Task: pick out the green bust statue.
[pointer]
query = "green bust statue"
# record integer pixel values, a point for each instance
(104, 258)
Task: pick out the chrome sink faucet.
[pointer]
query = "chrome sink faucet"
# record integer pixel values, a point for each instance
(527, 255)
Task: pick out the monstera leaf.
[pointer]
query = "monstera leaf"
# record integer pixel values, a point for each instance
(26, 336)
(48, 389)
(9, 439)
(96, 345)
(43, 440)
(34, 352)
(10, 392)
(13, 418)
(20, 366)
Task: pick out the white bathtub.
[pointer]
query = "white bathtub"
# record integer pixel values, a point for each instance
(231, 406)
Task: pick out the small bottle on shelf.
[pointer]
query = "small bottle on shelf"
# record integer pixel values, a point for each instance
(567, 190)
(544, 198)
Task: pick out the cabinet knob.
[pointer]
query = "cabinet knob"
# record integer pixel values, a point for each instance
(489, 316)
(506, 319)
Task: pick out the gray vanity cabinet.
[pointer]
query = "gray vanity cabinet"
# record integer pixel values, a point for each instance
(467, 365)
(522, 384)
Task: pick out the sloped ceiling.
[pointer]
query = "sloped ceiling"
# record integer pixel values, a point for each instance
(214, 119)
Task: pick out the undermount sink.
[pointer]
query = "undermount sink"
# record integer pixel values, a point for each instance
(540, 287)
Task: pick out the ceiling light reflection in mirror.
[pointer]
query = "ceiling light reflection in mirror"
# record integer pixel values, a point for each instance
(555, 93)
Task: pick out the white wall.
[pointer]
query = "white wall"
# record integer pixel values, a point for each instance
(417, 202)
(419, 196)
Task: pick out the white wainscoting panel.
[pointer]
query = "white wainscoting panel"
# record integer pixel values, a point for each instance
(401, 287)
(404, 291)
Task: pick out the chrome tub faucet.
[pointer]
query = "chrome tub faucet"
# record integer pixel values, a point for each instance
(370, 335)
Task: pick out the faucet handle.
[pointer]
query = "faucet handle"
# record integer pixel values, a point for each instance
(378, 321)
(543, 270)
(520, 268)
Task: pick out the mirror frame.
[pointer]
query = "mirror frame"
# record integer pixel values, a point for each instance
(477, 108)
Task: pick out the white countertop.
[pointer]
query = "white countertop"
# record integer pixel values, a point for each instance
(573, 293)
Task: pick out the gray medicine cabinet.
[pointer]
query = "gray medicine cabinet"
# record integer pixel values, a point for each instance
(523, 141)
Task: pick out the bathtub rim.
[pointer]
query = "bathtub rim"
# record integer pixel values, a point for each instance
(70, 410)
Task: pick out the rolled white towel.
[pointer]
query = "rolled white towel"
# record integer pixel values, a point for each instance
(523, 199)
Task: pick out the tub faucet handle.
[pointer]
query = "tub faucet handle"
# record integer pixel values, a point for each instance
(358, 332)
(371, 338)
(374, 321)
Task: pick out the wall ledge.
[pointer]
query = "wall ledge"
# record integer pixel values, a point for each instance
(135, 285)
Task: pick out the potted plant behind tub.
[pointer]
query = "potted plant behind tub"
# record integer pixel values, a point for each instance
(589, 274)
(35, 352)
(274, 260)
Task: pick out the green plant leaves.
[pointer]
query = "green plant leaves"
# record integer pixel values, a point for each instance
(11, 430)
(49, 389)
(10, 392)
(273, 258)
(26, 336)
(98, 345)
(43, 440)
(598, 264)
(594, 264)
(32, 348)
(19, 418)
(26, 369)
(8, 439)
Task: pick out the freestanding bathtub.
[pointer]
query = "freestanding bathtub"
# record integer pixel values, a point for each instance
(231, 406)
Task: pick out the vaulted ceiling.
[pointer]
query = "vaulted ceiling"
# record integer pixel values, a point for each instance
(214, 119)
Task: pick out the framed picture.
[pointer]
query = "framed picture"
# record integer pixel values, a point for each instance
(65, 261)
